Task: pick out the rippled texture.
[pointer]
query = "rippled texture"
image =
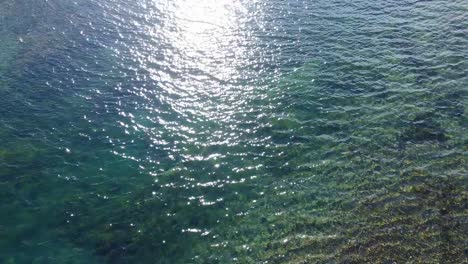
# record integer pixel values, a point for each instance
(221, 131)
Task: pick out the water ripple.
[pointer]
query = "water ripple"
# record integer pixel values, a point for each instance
(232, 131)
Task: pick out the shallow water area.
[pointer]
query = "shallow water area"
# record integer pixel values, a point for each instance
(233, 131)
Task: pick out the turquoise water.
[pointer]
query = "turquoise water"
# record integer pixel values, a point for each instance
(218, 131)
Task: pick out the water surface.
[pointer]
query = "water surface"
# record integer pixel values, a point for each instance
(233, 131)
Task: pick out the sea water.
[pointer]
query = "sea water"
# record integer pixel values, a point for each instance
(219, 131)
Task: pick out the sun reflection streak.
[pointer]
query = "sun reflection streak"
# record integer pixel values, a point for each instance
(200, 68)
(206, 42)
(191, 64)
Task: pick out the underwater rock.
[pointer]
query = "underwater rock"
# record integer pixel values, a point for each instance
(452, 104)
(423, 129)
